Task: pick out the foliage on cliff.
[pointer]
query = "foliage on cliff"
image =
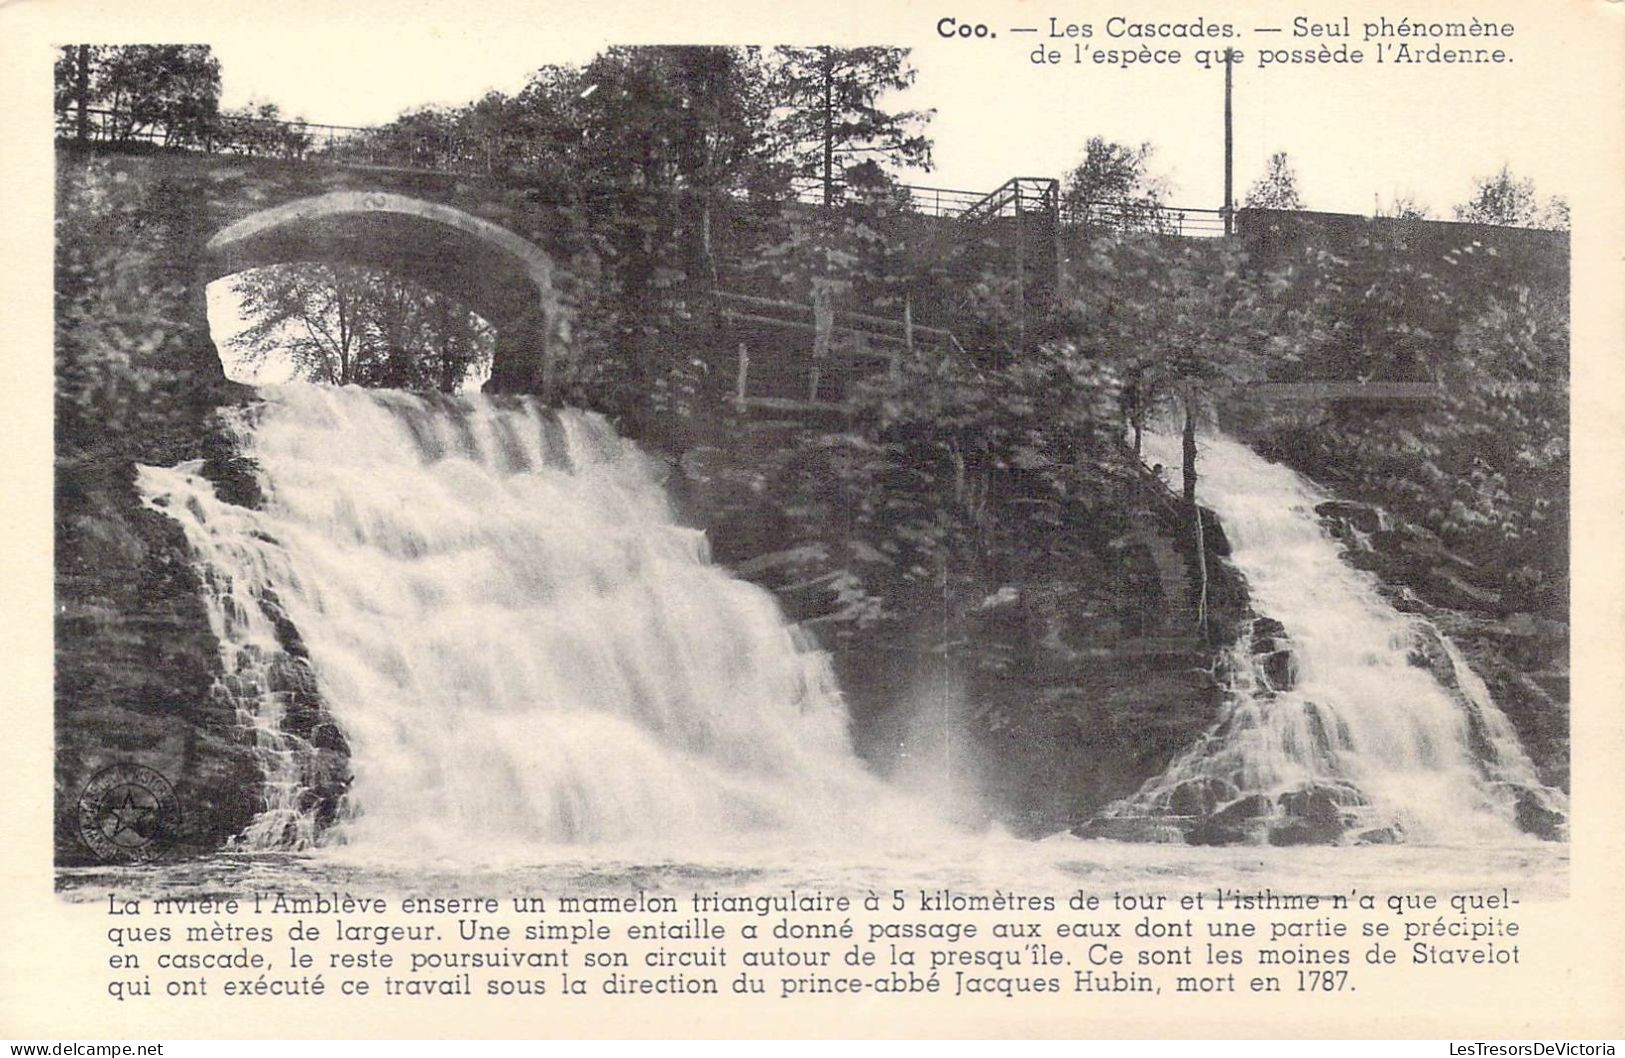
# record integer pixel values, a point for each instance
(1486, 466)
(117, 315)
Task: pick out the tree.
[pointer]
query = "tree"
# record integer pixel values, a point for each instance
(169, 93)
(1509, 201)
(827, 105)
(1114, 181)
(260, 129)
(347, 325)
(74, 66)
(1277, 188)
(1404, 206)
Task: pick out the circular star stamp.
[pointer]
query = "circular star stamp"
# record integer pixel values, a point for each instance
(128, 813)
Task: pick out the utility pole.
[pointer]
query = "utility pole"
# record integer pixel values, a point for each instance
(1229, 150)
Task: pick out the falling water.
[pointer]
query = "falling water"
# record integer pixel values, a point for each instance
(511, 638)
(1366, 723)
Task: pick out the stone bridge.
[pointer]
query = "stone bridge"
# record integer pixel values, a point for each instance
(490, 246)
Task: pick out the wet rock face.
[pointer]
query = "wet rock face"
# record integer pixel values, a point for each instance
(1536, 816)
(1520, 654)
(136, 663)
(1341, 516)
(1208, 811)
(1316, 815)
(139, 677)
(1272, 654)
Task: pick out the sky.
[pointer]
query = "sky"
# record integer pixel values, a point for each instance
(1352, 133)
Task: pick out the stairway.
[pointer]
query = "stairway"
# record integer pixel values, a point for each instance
(775, 370)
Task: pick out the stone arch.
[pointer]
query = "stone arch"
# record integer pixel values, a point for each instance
(505, 278)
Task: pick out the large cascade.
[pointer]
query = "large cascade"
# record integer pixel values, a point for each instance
(489, 608)
(1344, 719)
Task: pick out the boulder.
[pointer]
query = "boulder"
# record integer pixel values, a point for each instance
(1303, 832)
(1209, 832)
(1267, 634)
(1321, 806)
(1278, 669)
(1199, 797)
(1244, 808)
(1362, 516)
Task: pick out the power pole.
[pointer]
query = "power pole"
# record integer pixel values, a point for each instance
(1229, 150)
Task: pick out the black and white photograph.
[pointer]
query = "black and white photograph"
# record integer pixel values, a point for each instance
(890, 511)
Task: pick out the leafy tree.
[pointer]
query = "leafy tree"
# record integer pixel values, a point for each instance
(73, 95)
(1507, 200)
(828, 113)
(117, 346)
(1404, 206)
(346, 325)
(260, 129)
(1176, 319)
(1277, 188)
(1114, 183)
(1179, 322)
(958, 476)
(637, 151)
(164, 92)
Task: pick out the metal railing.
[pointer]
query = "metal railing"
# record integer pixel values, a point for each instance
(460, 152)
(1016, 197)
(388, 147)
(1154, 218)
(915, 198)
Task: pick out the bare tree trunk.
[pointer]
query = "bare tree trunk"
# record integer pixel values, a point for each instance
(1189, 451)
(829, 126)
(344, 337)
(1201, 569)
(1136, 421)
(81, 94)
(1199, 538)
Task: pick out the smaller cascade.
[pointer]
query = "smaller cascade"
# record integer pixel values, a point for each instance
(1343, 719)
(266, 676)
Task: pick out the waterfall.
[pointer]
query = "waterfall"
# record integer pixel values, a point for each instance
(1343, 718)
(485, 612)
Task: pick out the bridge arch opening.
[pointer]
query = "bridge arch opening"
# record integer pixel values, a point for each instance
(446, 260)
(344, 324)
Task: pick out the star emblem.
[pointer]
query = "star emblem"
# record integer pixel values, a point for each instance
(128, 821)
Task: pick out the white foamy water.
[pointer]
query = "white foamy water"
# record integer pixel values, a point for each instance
(535, 671)
(520, 646)
(1434, 762)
